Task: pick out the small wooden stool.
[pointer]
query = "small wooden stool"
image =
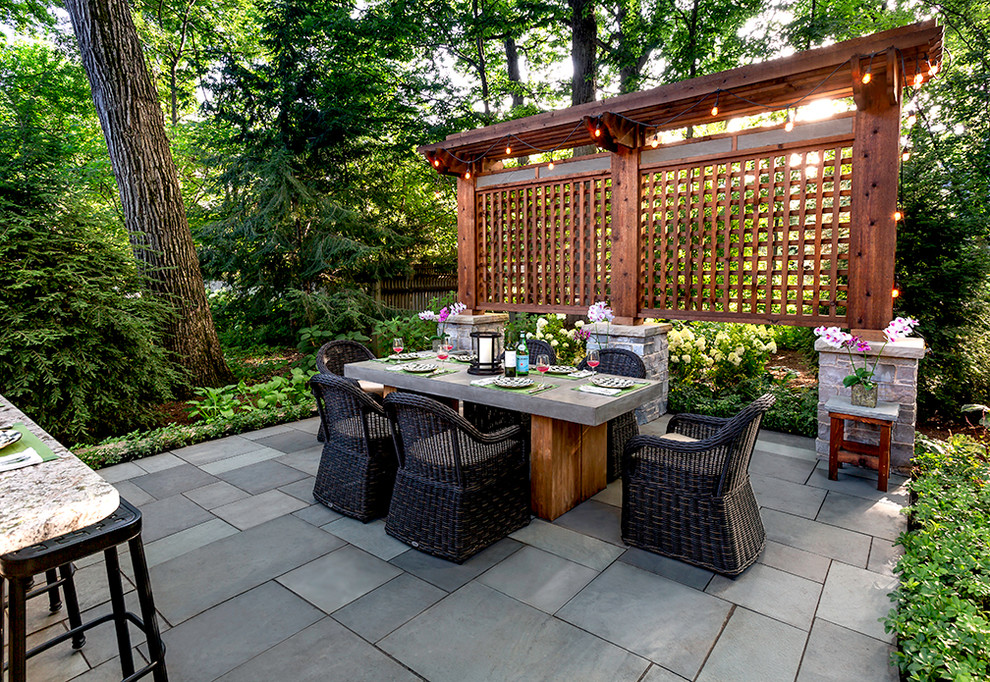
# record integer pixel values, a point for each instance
(875, 457)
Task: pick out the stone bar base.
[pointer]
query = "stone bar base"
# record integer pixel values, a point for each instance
(649, 341)
(897, 376)
(460, 327)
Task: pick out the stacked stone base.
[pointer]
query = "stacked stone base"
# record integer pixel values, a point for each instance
(897, 376)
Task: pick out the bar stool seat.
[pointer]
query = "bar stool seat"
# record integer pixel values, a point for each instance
(19, 568)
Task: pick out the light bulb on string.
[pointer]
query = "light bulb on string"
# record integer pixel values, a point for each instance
(918, 79)
(715, 110)
(508, 150)
(789, 126)
(867, 77)
(932, 69)
(905, 154)
(655, 142)
(550, 165)
(895, 292)
(598, 131)
(467, 175)
(436, 163)
(897, 216)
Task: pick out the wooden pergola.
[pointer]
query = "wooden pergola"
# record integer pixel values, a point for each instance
(790, 224)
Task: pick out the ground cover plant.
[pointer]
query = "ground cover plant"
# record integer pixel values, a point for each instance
(942, 614)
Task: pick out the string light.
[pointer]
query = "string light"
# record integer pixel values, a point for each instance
(789, 126)
(906, 154)
(895, 292)
(867, 77)
(918, 79)
(467, 175)
(598, 131)
(715, 108)
(655, 142)
(508, 150)
(436, 163)
(897, 216)
(550, 165)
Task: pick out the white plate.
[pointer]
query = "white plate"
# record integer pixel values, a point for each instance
(9, 437)
(513, 382)
(561, 369)
(421, 367)
(402, 357)
(470, 357)
(612, 382)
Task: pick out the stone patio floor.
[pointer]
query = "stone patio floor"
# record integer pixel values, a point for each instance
(254, 581)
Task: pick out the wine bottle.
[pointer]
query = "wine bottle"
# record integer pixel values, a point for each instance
(510, 357)
(522, 357)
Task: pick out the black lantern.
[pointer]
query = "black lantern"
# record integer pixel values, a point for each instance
(487, 350)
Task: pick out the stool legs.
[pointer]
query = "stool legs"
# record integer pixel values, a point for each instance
(54, 601)
(119, 612)
(156, 652)
(72, 605)
(17, 617)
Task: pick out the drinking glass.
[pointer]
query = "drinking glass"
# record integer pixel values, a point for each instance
(594, 359)
(397, 345)
(442, 349)
(542, 366)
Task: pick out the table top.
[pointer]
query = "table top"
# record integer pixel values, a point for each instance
(46, 500)
(883, 410)
(558, 403)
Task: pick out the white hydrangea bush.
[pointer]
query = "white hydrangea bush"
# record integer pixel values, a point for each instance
(719, 354)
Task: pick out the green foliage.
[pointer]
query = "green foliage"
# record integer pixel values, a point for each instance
(568, 344)
(942, 617)
(220, 404)
(79, 345)
(255, 362)
(416, 333)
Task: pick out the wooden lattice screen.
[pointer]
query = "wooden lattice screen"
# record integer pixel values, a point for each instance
(544, 243)
(749, 236)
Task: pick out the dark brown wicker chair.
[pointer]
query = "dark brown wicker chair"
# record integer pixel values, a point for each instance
(692, 500)
(357, 468)
(487, 418)
(331, 358)
(625, 363)
(457, 490)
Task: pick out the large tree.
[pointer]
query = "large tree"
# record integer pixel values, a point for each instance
(131, 117)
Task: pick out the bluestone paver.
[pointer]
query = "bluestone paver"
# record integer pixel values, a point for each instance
(679, 571)
(567, 543)
(857, 599)
(796, 561)
(187, 540)
(289, 441)
(881, 518)
(121, 472)
(255, 510)
(307, 461)
(301, 489)
(449, 576)
(384, 609)
(755, 647)
(772, 592)
(884, 556)
(257, 478)
(817, 538)
(786, 468)
(595, 519)
(257, 454)
(215, 495)
(173, 481)
(785, 496)
(214, 450)
(837, 654)
(317, 514)
(133, 494)
(170, 515)
(370, 537)
(338, 578)
(542, 580)
(165, 460)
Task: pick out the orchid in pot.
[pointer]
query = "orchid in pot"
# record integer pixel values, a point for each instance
(442, 316)
(600, 312)
(864, 388)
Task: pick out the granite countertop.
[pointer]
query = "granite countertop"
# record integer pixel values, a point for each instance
(49, 499)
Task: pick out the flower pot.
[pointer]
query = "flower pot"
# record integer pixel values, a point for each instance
(863, 396)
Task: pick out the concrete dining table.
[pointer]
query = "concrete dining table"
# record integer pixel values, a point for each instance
(45, 500)
(568, 452)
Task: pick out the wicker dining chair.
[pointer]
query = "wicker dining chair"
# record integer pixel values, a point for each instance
(357, 467)
(487, 418)
(457, 490)
(687, 495)
(625, 363)
(331, 358)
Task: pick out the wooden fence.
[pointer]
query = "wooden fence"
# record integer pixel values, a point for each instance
(416, 291)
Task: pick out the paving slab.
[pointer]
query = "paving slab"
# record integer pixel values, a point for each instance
(173, 481)
(384, 609)
(106, 672)
(310, 425)
(258, 454)
(121, 472)
(317, 514)
(155, 463)
(817, 538)
(214, 450)
(835, 653)
(307, 461)
(520, 643)
(215, 495)
(338, 578)
(860, 483)
(370, 537)
(449, 576)
(755, 647)
(225, 636)
(773, 593)
(884, 557)
(659, 619)
(569, 544)
(255, 510)
(678, 571)
(262, 476)
(187, 540)
(785, 496)
(880, 518)
(323, 651)
(301, 489)
(267, 431)
(802, 442)
(857, 599)
(289, 441)
(60, 663)
(785, 468)
(132, 493)
(204, 577)
(542, 580)
(797, 561)
(611, 495)
(787, 449)
(596, 519)
(657, 673)
(170, 515)
(101, 641)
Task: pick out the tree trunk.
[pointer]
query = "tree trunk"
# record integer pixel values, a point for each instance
(131, 117)
(512, 71)
(584, 32)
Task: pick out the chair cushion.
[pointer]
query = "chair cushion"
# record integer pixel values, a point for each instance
(372, 387)
(679, 437)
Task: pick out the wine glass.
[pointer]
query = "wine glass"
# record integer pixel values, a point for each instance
(543, 366)
(594, 359)
(442, 349)
(397, 345)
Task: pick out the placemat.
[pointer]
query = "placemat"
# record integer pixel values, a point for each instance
(622, 391)
(28, 441)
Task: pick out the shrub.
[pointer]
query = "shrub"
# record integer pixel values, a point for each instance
(568, 344)
(942, 617)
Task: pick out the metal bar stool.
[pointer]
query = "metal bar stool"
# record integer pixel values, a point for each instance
(19, 568)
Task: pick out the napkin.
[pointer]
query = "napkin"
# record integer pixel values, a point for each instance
(394, 368)
(581, 375)
(24, 458)
(588, 388)
(483, 382)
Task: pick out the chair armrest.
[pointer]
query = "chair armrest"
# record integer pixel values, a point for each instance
(698, 426)
(497, 436)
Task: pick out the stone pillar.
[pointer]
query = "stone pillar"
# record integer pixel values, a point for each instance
(897, 376)
(649, 341)
(460, 327)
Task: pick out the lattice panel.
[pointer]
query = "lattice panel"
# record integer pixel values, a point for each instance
(544, 243)
(749, 237)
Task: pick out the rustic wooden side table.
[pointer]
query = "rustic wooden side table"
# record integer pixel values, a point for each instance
(875, 457)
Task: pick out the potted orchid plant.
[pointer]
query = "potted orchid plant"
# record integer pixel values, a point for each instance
(600, 312)
(864, 388)
(442, 316)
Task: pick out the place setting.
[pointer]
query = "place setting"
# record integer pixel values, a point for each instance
(20, 448)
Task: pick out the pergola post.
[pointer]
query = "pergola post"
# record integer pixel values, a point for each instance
(626, 210)
(467, 247)
(876, 158)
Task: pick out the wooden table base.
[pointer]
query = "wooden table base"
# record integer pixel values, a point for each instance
(567, 465)
(850, 452)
